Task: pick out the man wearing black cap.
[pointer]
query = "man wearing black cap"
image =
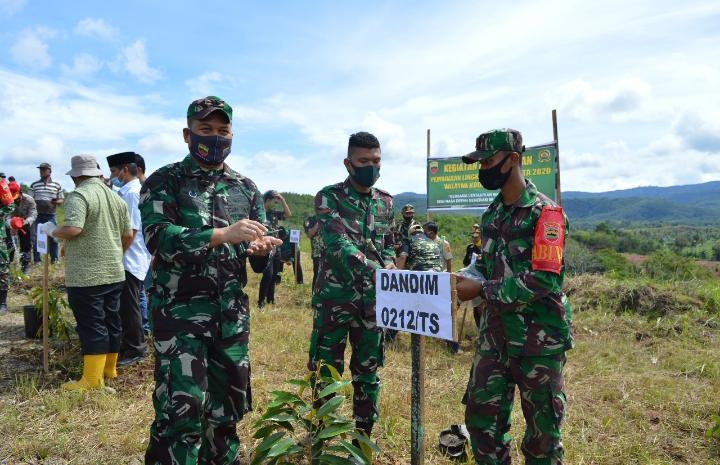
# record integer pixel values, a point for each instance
(136, 260)
(48, 194)
(202, 222)
(526, 327)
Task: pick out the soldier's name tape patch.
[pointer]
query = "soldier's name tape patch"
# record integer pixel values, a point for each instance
(417, 302)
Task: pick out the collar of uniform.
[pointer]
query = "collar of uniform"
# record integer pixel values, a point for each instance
(526, 199)
(350, 190)
(193, 169)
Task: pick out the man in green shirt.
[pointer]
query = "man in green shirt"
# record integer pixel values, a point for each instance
(96, 233)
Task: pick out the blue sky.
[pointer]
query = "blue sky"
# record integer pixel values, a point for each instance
(636, 84)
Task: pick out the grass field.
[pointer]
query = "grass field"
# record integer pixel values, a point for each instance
(641, 390)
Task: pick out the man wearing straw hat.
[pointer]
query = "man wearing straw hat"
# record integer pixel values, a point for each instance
(96, 233)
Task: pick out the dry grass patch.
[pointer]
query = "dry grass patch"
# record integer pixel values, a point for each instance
(641, 391)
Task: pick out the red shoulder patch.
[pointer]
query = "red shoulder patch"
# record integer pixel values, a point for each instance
(547, 254)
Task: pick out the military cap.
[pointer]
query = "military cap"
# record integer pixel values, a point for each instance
(123, 158)
(415, 228)
(2, 175)
(408, 208)
(493, 141)
(45, 165)
(201, 108)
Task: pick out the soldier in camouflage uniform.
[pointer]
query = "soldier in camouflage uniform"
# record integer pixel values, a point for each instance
(356, 223)
(526, 327)
(201, 221)
(6, 208)
(419, 253)
(402, 235)
(312, 229)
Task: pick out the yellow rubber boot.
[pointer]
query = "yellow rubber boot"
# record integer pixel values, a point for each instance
(110, 370)
(92, 378)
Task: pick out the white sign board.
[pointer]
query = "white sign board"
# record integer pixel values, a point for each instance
(41, 241)
(295, 236)
(417, 302)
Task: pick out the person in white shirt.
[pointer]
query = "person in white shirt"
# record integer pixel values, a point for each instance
(136, 261)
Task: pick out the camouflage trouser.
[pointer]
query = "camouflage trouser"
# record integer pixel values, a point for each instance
(489, 400)
(4, 267)
(202, 389)
(331, 327)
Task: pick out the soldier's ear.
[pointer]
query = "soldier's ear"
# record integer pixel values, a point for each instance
(186, 135)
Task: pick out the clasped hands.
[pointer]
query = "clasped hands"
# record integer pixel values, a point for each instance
(253, 232)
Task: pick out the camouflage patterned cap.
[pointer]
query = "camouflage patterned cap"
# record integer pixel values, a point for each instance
(493, 141)
(415, 228)
(201, 108)
(408, 208)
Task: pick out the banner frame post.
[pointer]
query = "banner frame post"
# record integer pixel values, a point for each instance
(558, 195)
(417, 406)
(427, 181)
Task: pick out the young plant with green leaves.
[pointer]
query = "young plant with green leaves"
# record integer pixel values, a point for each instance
(59, 327)
(304, 427)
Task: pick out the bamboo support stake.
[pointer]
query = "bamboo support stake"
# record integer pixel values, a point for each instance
(45, 314)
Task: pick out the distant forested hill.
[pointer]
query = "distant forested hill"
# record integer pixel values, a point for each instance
(694, 204)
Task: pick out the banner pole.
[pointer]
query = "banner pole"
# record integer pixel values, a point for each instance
(558, 194)
(45, 315)
(427, 180)
(417, 428)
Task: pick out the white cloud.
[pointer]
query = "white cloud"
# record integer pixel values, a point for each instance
(31, 50)
(624, 100)
(205, 84)
(95, 27)
(134, 61)
(83, 65)
(45, 120)
(10, 7)
(700, 130)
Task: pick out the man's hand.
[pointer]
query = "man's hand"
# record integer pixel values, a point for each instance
(242, 231)
(263, 245)
(467, 289)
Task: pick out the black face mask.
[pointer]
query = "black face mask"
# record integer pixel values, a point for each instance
(366, 176)
(211, 150)
(493, 178)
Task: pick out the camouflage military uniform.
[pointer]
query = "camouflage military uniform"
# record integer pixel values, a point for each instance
(402, 235)
(5, 211)
(357, 236)
(524, 334)
(199, 312)
(423, 254)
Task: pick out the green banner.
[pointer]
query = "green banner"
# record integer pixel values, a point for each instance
(453, 184)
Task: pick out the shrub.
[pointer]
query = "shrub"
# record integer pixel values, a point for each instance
(664, 265)
(580, 260)
(307, 429)
(614, 263)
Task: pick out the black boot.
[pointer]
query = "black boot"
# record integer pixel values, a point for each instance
(3, 302)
